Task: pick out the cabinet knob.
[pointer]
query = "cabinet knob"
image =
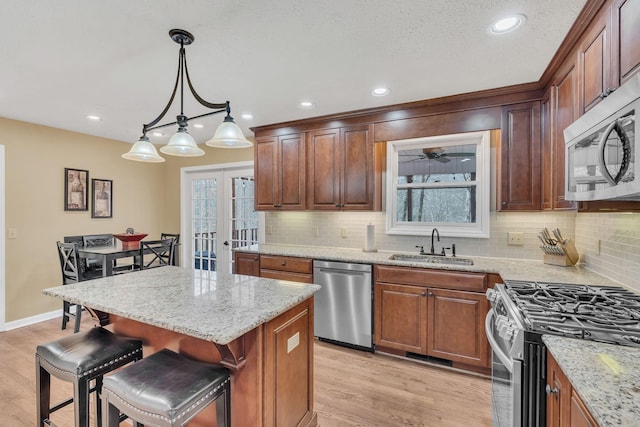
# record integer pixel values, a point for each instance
(504, 203)
(424, 294)
(430, 294)
(550, 390)
(283, 263)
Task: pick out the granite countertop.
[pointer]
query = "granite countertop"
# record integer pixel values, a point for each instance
(606, 376)
(202, 304)
(508, 269)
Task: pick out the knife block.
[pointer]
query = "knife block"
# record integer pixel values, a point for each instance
(561, 260)
(569, 258)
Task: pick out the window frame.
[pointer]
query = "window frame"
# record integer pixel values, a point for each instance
(479, 229)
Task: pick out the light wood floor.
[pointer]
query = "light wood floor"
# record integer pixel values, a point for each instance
(352, 388)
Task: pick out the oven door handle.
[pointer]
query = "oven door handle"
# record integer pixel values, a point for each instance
(506, 360)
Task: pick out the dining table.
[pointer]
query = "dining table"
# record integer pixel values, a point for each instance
(106, 255)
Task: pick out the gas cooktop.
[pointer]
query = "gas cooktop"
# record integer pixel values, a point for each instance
(601, 313)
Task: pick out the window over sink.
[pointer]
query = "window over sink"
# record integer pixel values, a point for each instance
(441, 182)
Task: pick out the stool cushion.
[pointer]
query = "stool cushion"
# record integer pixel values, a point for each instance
(166, 384)
(89, 353)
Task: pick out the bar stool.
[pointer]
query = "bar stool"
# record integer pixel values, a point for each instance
(166, 389)
(79, 359)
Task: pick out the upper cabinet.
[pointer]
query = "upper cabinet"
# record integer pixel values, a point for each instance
(625, 52)
(340, 165)
(520, 158)
(280, 172)
(594, 59)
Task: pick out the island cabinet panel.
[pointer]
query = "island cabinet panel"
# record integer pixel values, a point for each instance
(520, 158)
(288, 366)
(564, 405)
(594, 59)
(286, 268)
(432, 312)
(246, 263)
(280, 172)
(341, 169)
(626, 33)
(401, 317)
(456, 322)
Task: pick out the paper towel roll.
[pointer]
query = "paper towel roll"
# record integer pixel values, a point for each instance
(370, 239)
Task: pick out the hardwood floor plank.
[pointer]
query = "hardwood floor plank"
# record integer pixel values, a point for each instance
(352, 388)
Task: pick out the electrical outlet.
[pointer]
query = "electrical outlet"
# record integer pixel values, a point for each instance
(515, 238)
(343, 232)
(269, 229)
(316, 231)
(12, 233)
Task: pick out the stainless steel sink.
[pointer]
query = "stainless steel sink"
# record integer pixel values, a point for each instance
(431, 259)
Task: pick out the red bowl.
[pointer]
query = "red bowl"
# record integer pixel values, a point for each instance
(125, 237)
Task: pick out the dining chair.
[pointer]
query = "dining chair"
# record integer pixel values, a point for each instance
(97, 240)
(70, 267)
(158, 253)
(176, 237)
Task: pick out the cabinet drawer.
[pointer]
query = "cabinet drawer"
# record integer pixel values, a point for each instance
(286, 275)
(283, 263)
(447, 279)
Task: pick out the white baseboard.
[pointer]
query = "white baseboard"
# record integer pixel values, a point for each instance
(32, 320)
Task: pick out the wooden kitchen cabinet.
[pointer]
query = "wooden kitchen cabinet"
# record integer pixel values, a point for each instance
(520, 158)
(565, 408)
(435, 313)
(280, 172)
(246, 263)
(341, 168)
(400, 317)
(594, 60)
(286, 268)
(456, 326)
(546, 178)
(625, 55)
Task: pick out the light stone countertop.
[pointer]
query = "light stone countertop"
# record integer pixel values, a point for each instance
(508, 269)
(611, 391)
(202, 304)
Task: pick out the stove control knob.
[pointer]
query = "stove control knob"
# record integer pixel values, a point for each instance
(491, 295)
(508, 334)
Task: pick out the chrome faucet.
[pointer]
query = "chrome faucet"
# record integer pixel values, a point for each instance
(437, 233)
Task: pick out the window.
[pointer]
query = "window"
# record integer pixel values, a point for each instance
(441, 182)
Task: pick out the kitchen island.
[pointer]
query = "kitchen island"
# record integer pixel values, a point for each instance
(261, 329)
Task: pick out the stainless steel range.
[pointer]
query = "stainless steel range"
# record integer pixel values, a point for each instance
(521, 312)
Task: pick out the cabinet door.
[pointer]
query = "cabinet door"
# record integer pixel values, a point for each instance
(626, 33)
(520, 158)
(558, 394)
(357, 169)
(266, 173)
(401, 317)
(580, 415)
(547, 162)
(565, 107)
(456, 327)
(246, 263)
(324, 164)
(594, 58)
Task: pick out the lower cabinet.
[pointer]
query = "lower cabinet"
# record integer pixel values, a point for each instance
(246, 263)
(564, 406)
(412, 314)
(274, 266)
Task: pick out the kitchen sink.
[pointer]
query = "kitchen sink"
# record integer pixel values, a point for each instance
(431, 259)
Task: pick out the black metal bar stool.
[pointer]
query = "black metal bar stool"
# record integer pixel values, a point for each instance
(166, 389)
(79, 359)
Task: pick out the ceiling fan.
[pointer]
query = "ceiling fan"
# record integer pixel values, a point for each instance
(436, 153)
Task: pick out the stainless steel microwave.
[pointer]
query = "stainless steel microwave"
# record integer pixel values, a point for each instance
(601, 148)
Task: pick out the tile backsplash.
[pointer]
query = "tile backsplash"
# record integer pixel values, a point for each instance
(609, 243)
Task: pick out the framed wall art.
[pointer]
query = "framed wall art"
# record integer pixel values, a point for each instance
(76, 188)
(102, 197)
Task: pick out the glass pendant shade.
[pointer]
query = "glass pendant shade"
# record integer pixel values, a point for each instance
(143, 151)
(182, 144)
(229, 135)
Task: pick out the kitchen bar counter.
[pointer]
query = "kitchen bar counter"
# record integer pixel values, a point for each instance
(606, 376)
(261, 329)
(508, 269)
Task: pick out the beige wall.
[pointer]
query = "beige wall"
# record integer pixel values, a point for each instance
(145, 197)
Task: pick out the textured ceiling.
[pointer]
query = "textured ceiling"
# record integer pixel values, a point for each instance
(65, 59)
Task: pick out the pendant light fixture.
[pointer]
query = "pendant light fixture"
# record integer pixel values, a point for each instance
(228, 134)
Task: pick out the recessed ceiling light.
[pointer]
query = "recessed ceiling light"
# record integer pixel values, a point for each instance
(247, 116)
(306, 104)
(95, 118)
(507, 24)
(157, 133)
(198, 125)
(380, 91)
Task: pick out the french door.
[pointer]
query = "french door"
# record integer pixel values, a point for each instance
(217, 216)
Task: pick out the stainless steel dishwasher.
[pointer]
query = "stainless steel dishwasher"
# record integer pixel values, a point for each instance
(343, 306)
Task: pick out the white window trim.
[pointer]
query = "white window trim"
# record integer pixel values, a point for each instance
(480, 229)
